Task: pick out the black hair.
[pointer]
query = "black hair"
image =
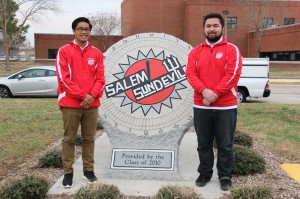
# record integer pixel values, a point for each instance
(81, 19)
(214, 15)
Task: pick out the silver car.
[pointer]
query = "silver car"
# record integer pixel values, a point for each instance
(38, 81)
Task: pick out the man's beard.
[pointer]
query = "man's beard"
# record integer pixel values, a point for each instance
(214, 39)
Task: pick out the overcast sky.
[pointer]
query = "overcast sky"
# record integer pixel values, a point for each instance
(61, 23)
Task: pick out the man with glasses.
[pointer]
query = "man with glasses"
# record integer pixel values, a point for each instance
(80, 74)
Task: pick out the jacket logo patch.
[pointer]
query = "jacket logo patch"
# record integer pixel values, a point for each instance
(219, 55)
(90, 61)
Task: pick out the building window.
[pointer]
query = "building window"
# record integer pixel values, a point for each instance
(52, 53)
(231, 22)
(282, 56)
(268, 22)
(288, 21)
(297, 56)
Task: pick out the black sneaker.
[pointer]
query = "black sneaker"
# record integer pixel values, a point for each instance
(225, 184)
(68, 180)
(90, 176)
(202, 180)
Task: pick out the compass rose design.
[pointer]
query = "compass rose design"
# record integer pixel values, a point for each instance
(146, 91)
(148, 81)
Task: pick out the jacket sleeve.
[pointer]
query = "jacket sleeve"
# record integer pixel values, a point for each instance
(64, 75)
(191, 72)
(97, 90)
(232, 71)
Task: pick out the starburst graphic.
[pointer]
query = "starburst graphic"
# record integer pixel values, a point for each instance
(148, 81)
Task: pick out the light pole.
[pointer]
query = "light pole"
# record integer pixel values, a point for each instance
(225, 12)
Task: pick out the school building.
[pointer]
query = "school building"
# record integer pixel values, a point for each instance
(280, 40)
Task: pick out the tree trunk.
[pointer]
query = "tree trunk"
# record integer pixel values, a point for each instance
(7, 64)
(258, 41)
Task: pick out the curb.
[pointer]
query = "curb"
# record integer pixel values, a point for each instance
(289, 83)
(284, 81)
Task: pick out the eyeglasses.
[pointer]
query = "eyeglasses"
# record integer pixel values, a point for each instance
(81, 29)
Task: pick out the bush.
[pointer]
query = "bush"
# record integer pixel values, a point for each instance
(98, 191)
(78, 140)
(176, 192)
(246, 161)
(242, 139)
(25, 187)
(239, 138)
(51, 159)
(257, 192)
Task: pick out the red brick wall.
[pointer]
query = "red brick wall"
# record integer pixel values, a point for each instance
(286, 38)
(184, 18)
(140, 16)
(43, 42)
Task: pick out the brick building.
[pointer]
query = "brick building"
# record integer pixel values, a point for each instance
(47, 45)
(184, 19)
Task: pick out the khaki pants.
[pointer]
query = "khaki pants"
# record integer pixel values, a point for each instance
(72, 118)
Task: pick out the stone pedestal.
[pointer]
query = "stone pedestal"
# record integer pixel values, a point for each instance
(140, 157)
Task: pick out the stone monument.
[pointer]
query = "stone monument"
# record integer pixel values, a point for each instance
(147, 105)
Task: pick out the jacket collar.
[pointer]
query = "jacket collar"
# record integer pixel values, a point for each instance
(77, 46)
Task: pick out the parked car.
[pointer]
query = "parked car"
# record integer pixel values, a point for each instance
(13, 58)
(32, 58)
(2, 58)
(254, 81)
(23, 59)
(37, 81)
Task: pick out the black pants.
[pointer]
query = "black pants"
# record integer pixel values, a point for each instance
(218, 124)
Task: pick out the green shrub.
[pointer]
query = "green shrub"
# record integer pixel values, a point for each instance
(51, 159)
(242, 139)
(177, 192)
(25, 187)
(78, 140)
(256, 192)
(98, 191)
(246, 161)
(239, 138)
(99, 126)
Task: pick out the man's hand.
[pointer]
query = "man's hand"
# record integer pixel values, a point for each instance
(88, 100)
(206, 102)
(209, 96)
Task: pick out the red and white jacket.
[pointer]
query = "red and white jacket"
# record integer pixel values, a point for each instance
(217, 68)
(79, 72)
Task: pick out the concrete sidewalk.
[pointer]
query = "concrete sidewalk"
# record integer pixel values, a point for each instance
(188, 163)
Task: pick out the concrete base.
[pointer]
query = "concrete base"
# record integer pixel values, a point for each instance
(188, 163)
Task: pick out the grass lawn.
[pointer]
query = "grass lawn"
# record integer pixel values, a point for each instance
(282, 73)
(30, 125)
(27, 126)
(275, 125)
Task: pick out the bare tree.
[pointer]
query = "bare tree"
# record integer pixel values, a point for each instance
(106, 25)
(28, 10)
(259, 15)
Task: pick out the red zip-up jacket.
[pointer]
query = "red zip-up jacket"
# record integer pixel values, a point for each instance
(217, 68)
(79, 72)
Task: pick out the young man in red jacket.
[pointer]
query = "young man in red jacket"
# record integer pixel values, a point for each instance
(80, 74)
(213, 70)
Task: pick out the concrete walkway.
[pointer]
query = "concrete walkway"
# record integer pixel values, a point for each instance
(188, 163)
